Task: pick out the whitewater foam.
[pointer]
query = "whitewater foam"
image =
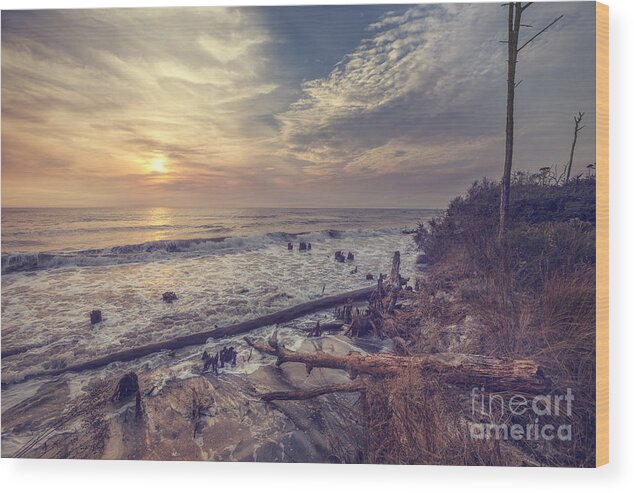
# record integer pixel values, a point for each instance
(165, 249)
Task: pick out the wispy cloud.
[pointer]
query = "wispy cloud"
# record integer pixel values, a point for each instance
(407, 117)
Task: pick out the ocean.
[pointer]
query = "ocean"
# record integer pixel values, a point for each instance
(225, 266)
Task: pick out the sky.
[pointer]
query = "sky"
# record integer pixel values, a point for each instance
(336, 106)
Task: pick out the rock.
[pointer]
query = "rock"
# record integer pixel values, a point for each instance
(290, 245)
(350, 257)
(339, 256)
(169, 296)
(302, 246)
(95, 317)
(369, 276)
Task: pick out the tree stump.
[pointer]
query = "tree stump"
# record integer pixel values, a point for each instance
(169, 296)
(290, 245)
(395, 274)
(95, 317)
(302, 246)
(128, 386)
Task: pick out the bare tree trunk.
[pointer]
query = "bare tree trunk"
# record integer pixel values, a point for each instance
(514, 24)
(515, 15)
(574, 143)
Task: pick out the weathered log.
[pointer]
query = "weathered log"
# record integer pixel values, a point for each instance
(278, 317)
(305, 394)
(494, 374)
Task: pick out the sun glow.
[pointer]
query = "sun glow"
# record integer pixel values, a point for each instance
(157, 165)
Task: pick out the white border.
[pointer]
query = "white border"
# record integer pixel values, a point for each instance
(155, 477)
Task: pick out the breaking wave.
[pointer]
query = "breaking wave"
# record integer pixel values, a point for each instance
(165, 249)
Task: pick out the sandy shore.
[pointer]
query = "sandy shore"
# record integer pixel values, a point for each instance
(233, 425)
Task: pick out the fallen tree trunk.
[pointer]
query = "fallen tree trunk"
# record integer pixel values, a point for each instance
(305, 394)
(278, 317)
(494, 374)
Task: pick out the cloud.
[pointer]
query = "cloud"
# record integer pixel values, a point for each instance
(242, 107)
(427, 87)
(108, 108)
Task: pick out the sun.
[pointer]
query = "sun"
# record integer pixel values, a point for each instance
(157, 165)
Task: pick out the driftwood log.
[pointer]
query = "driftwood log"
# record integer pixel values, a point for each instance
(278, 317)
(495, 374)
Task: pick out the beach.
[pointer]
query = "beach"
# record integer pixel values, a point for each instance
(225, 267)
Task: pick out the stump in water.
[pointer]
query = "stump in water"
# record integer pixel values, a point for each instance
(290, 245)
(95, 317)
(169, 296)
(395, 274)
(350, 257)
(369, 277)
(396, 280)
(339, 256)
(302, 246)
(127, 387)
(210, 361)
(309, 246)
(228, 355)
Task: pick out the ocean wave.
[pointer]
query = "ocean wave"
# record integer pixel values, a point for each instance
(108, 229)
(165, 249)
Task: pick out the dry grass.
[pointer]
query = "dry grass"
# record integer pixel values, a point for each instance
(532, 297)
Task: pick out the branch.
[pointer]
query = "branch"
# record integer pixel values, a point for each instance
(523, 8)
(305, 394)
(540, 32)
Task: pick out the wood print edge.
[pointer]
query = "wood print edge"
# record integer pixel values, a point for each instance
(602, 231)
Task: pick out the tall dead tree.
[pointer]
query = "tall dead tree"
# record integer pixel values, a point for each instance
(574, 143)
(514, 24)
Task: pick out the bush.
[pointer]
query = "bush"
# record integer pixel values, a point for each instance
(470, 223)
